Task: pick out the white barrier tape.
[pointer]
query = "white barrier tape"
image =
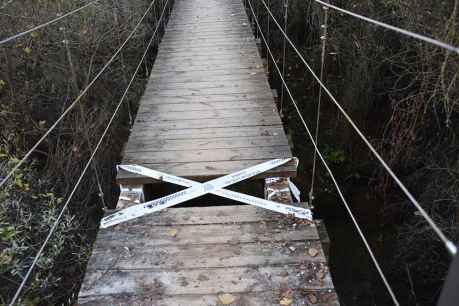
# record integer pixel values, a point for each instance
(270, 180)
(187, 194)
(295, 191)
(273, 191)
(236, 196)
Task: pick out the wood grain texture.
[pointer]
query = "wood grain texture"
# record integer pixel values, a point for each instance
(207, 110)
(184, 256)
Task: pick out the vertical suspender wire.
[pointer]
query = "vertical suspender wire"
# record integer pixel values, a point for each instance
(54, 227)
(83, 119)
(449, 245)
(338, 189)
(269, 37)
(319, 100)
(283, 56)
(253, 24)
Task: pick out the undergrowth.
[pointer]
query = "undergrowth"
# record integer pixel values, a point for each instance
(40, 75)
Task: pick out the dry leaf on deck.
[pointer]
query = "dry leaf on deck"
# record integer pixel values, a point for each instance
(172, 232)
(226, 298)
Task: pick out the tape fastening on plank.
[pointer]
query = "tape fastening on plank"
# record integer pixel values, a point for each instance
(196, 189)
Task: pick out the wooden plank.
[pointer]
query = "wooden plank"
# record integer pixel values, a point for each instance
(219, 76)
(211, 48)
(207, 87)
(211, 155)
(249, 105)
(241, 85)
(218, 214)
(127, 234)
(203, 170)
(204, 114)
(208, 281)
(203, 66)
(322, 297)
(257, 120)
(204, 133)
(183, 92)
(153, 97)
(205, 256)
(206, 144)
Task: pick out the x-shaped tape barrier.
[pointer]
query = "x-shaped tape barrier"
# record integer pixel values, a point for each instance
(197, 189)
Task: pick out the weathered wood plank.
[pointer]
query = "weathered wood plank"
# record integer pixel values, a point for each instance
(249, 105)
(139, 232)
(218, 76)
(218, 214)
(207, 281)
(206, 144)
(322, 297)
(172, 257)
(152, 97)
(211, 155)
(256, 120)
(204, 170)
(204, 133)
(205, 114)
(245, 84)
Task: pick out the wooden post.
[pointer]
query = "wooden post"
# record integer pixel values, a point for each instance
(277, 189)
(130, 195)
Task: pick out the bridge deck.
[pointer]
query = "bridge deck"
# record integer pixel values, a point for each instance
(208, 109)
(194, 256)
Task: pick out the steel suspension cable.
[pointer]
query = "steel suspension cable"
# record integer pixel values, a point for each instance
(40, 26)
(78, 98)
(319, 100)
(338, 189)
(450, 246)
(429, 40)
(65, 206)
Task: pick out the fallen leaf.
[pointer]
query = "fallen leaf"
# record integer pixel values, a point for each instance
(313, 252)
(286, 301)
(34, 34)
(312, 298)
(226, 298)
(172, 232)
(27, 50)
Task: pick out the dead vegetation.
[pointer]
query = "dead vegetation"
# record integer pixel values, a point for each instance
(404, 95)
(40, 75)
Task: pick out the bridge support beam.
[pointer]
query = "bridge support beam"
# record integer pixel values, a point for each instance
(130, 195)
(277, 189)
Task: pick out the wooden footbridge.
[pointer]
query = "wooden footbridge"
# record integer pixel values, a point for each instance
(208, 111)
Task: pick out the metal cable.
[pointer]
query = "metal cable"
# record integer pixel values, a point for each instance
(394, 28)
(283, 55)
(338, 189)
(450, 246)
(322, 65)
(64, 208)
(72, 105)
(40, 26)
(268, 34)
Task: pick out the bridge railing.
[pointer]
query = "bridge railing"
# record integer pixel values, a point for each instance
(313, 135)
(165, 6)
